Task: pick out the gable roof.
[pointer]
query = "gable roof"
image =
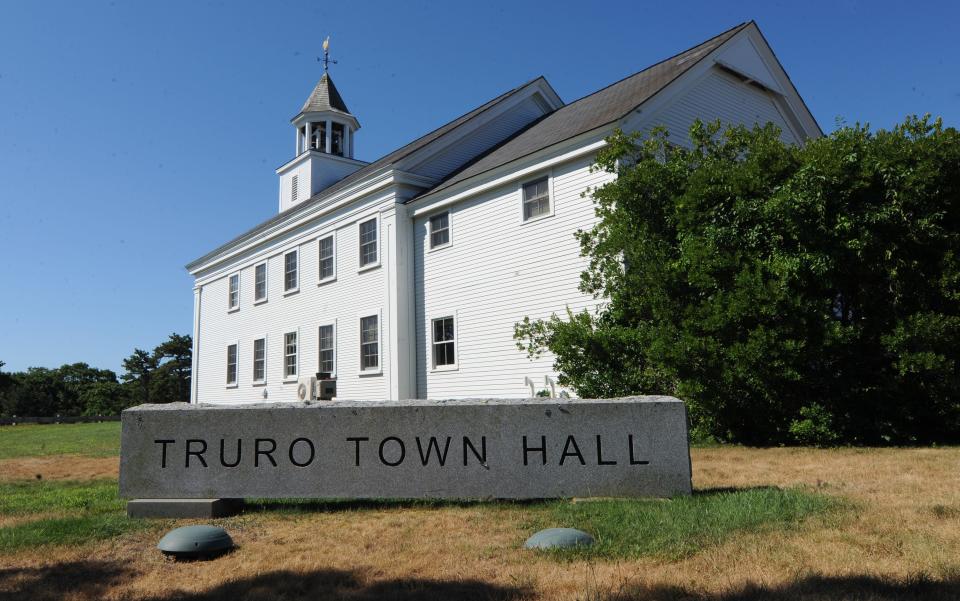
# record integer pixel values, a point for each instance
(364, 172)
(600, 108)
(325, 97)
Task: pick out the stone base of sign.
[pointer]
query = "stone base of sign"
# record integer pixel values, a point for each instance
(183, 508)
(457, 449)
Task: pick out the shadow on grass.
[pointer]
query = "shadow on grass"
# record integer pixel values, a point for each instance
(343, 505)
(97, 579)
(810, 588)
(94, 579)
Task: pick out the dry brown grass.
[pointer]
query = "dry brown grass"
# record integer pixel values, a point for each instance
(901, 542)
(59, 467)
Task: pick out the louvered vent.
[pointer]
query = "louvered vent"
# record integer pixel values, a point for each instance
(294, 188)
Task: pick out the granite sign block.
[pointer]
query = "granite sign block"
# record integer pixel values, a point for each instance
(464, 449)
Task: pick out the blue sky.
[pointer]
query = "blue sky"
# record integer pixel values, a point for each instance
(136, 136)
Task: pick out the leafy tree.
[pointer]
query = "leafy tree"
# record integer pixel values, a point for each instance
(162, 376)
(105, 398)
(787, 293)
(34, 392)
(74, 381)
(174, 357)
(139, 368)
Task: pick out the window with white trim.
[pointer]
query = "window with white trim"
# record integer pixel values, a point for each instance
(290, 355)
(440, 230)
(444, 342)
(328, 350)
(233, 293)
(260, 360)
(328, 269)
(232, 365)
(290, 281)
(294, 188)
(368, 242)
(369, 343)
(260, 282)
(536, 199)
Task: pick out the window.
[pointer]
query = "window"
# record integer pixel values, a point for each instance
(536, 199)
(440, 230)
(336, 139)
(260, 360)
(290, 355)
(327, 266)
(369, 344)
(260, 282)
(290, 271)
(294, 188)
(368, 242)
(318, 136)
(327, 350)
(232, 365)
(233, 297)
(444, 341)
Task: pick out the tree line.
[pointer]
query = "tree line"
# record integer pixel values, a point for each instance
(788, 293)
(160, 376)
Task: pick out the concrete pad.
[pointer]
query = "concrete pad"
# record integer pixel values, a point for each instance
(183, 508)
(460, 449)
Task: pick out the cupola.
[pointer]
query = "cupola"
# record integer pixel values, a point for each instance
(324, 134)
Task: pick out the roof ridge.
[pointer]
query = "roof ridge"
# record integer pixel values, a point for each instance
(570, 110)
(481, 108)
(658, 63)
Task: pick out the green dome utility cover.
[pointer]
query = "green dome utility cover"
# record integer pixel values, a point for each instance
(195, 541)
(559, 538)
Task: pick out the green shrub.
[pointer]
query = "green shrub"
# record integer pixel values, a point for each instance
(786, 293)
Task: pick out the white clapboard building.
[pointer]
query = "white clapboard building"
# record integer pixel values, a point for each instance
(404, 277)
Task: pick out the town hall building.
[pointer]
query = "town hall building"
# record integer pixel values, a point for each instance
(404, 277)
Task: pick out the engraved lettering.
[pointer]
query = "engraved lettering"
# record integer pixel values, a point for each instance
(163, 453)
(403, 451)
(197, 454)
(309, 445)
(542, 448)
(268, 453)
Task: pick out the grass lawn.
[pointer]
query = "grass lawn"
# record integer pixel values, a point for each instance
(35, 440)
(776, 524)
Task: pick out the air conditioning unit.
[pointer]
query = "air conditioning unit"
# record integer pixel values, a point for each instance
(307, 388)
(326, 387)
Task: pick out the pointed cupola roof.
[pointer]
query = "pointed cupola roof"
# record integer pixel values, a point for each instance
(325, 97)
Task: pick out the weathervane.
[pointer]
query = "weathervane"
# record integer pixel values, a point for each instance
(326, 60)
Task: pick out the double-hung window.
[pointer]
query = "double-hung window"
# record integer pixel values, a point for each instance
(440, 230)
(328, 268)
(260, 360)
(536, 199)
(232, 365)
(260, 282)
(444, 343)
(233, 295)
(368, 242)
(290, 355)
(290, 281)
(327, 350)
(369, 343)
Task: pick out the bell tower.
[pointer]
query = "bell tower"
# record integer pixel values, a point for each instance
(324, 142)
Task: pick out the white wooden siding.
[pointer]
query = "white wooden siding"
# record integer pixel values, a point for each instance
(721, 96)
(496, 271)
(343, 301)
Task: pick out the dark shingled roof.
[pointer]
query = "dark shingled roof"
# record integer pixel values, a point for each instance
(325, 97)
(364, 172)
(590, 112)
